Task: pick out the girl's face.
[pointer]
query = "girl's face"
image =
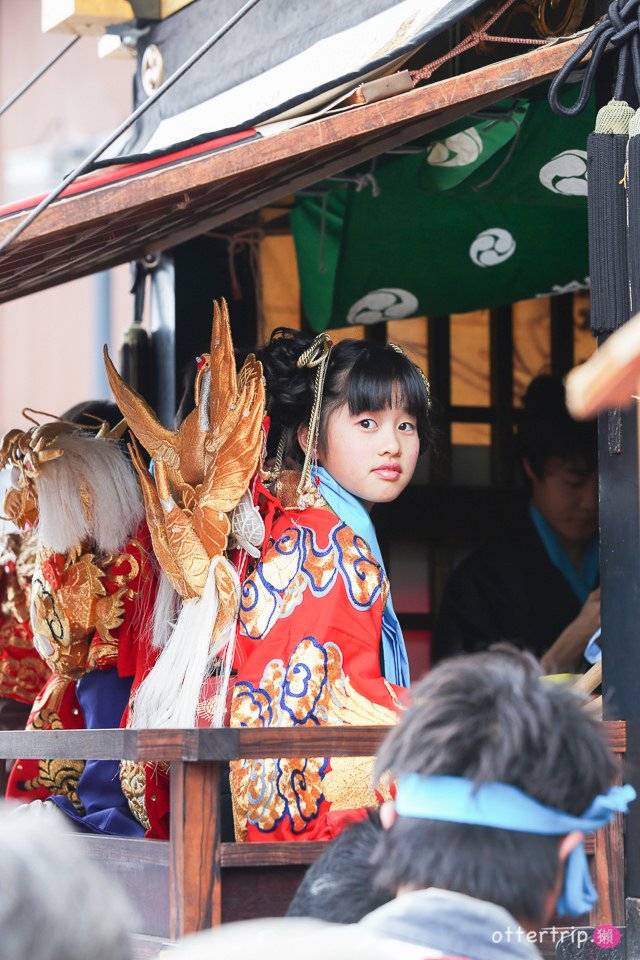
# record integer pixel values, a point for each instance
(373, 454)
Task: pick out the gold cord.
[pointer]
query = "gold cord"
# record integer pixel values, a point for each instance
(42, 413)
(316, 356)
(427, 386)
(276, 469)
(54, 418)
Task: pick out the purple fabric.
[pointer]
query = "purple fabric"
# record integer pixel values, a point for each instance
(103, 697)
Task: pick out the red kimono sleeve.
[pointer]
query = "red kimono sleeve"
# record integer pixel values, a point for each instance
(310, 626)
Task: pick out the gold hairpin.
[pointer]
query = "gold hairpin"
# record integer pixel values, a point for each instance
(427, 386)
(316, 356)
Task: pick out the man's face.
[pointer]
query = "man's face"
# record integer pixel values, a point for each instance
(567, 497)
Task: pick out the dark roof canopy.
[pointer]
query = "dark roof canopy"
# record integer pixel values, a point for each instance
(128, 218)
(279, 57)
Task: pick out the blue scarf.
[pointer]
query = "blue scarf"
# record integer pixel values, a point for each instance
(350, 510)
(500, 805)
(581, 583)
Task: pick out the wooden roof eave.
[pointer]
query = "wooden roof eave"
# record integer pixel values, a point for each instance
(156, 210)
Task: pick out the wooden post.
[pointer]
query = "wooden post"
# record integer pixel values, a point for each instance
(562, 350)
(194, 859)
(620, 584)
(440, 379)
(609, 867)
(501, 348)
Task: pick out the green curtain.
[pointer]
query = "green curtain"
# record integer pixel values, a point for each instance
(487, 212)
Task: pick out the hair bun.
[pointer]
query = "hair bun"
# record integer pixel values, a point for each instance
(289, 388)
(545, 398)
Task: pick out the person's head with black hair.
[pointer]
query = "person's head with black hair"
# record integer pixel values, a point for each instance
(339, 886)
(560, 459)
(90, 414)
(375, 414)
(490, 719)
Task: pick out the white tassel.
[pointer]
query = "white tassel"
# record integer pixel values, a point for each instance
(165, 612)
(224, 648)
(169, 695)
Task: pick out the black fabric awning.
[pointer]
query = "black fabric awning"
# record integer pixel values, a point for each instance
(281, 57)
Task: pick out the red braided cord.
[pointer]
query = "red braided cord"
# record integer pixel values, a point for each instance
(468, 43)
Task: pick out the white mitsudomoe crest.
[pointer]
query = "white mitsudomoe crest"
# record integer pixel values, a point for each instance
(388, 303)
(492, 247)
(458, 150)
(566, 173)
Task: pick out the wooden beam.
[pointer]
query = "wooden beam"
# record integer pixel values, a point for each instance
(191, 745)
(83, 17)
(206, 744)
(157, 9)
(272, 854)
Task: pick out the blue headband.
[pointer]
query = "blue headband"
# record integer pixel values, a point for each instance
(504, 807)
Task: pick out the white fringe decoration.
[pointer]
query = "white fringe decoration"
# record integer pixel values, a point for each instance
(170, 693)
(103, 472)
(165, 612)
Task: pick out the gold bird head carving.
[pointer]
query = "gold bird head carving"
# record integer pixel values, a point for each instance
(202, 469)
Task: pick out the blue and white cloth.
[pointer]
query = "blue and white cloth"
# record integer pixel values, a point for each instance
(395, 664)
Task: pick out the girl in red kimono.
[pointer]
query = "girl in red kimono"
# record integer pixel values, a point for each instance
(318, 638)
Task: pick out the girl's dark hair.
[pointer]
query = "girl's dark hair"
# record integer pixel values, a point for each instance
(546, 429)
(365, 375)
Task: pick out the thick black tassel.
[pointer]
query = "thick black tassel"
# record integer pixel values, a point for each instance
(633, 211)
(606, 158)
(136, 361)
(137, 366)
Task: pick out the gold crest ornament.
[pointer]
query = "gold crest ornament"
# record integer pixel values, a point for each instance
(20, 500)
(201, 473)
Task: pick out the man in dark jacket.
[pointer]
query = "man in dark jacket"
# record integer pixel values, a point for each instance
(535, 583)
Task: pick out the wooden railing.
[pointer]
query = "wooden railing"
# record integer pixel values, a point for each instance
(195, 881)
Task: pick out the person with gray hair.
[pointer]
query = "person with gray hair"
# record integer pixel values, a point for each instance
(54, 902)
(499, 775)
